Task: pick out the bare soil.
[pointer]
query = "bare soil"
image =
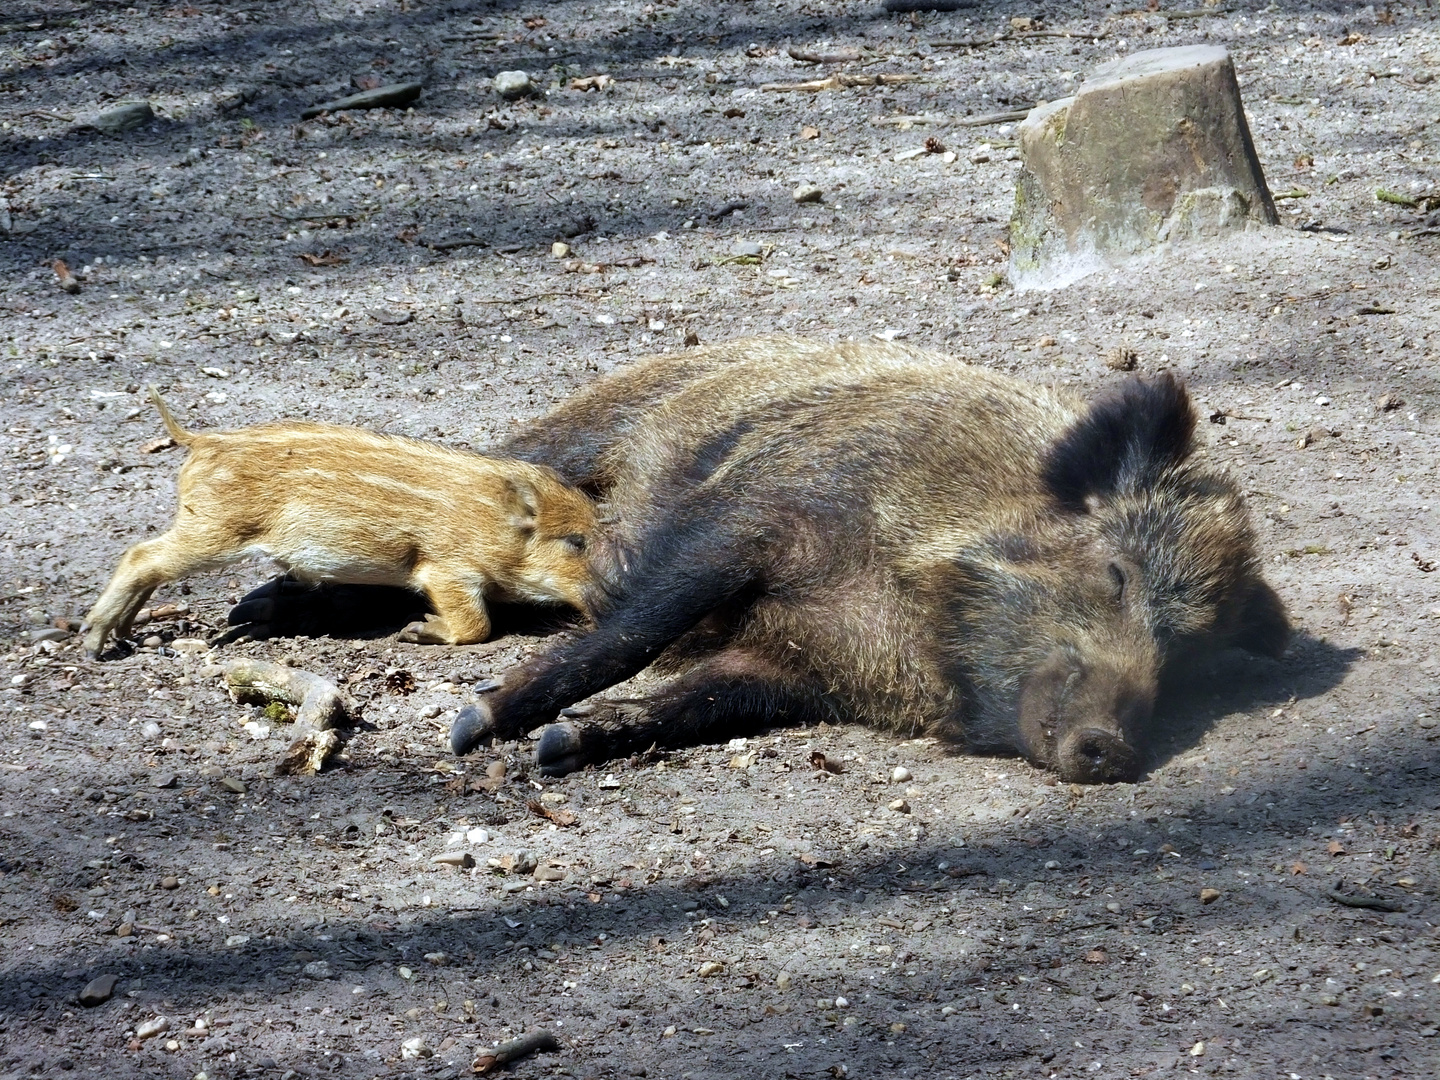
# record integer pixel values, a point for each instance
(709, 912)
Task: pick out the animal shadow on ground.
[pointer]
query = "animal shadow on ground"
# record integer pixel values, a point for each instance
(285, 607)
(1194, 698)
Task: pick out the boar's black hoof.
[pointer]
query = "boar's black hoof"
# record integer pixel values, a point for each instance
(1098, 757)
(251, 611)
(474, 723)
(562, 749)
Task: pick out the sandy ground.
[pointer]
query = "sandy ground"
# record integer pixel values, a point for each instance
(700, 919)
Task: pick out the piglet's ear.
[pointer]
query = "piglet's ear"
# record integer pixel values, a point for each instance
(1124, 443)
(522, 504)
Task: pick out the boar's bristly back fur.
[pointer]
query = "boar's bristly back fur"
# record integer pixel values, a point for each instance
(802, 530)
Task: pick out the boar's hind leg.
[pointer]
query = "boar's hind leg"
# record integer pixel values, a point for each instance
(679, 575)
(730, 695)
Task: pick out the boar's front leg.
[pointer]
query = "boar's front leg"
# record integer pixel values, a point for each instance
(729, 695)
(683, 571)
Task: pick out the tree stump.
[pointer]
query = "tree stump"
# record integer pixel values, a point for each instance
(1153, 148)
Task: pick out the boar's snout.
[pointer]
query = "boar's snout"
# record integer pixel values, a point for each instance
(1082, 710)
(1092, 756)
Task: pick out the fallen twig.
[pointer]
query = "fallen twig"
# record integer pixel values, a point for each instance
(1193, 13)
(905, 7)
(986, 119)
(808, 56)
(1016, 35)
(1374, 903)
(452, 245)
(318, 702)
(532, 1042)
(395, 96)
(840, 82)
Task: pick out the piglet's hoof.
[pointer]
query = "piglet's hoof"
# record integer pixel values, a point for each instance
(474, 723)
(428, 631)
(561, 749)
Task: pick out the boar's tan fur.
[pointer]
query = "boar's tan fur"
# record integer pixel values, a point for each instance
(344, 505)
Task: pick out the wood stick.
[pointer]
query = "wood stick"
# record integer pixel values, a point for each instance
(992, 118)
(841, 81)
(451, 245)
(532, 1042)
(318, 702)
(808, 56)
(1372, 902)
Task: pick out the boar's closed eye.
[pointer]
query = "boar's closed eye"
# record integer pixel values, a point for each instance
(1117, 578)
(575, 541)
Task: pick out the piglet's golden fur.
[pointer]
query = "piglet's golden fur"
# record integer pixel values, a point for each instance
(344, 505)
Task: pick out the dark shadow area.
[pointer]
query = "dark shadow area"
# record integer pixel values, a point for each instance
(284, 607)
(1195, 697)
(500, 935)
(273, 101)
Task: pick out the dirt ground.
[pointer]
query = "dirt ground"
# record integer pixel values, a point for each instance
(728, 911)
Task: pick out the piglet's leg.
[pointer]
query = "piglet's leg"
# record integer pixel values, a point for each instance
(143, 569)
(460, 617)
(733, 694)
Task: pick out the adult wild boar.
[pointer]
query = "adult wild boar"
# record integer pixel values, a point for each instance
(804, 531)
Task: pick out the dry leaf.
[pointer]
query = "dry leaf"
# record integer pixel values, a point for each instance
(1298, 868)
(822, 763)
(154, 446)
(591, 82)
(67, 279)
(815, 862)
(808, 132)
(1335, 847)
(326, 258)
(563, 818)
(1096, 956)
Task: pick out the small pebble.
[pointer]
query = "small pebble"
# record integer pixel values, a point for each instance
(150, 1028)
(711, 967)
(229, 783)
(413, 1049)
(98, 990)
(154, 641)
(513, 84)
(123, 118)
(169, 883)
(900, 806)
(1209, 896)
(748, 247)
(808, 193)
(900, 775)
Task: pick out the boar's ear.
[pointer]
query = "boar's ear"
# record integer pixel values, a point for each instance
(1125, 441)
(1264, 627)
(522, 504)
